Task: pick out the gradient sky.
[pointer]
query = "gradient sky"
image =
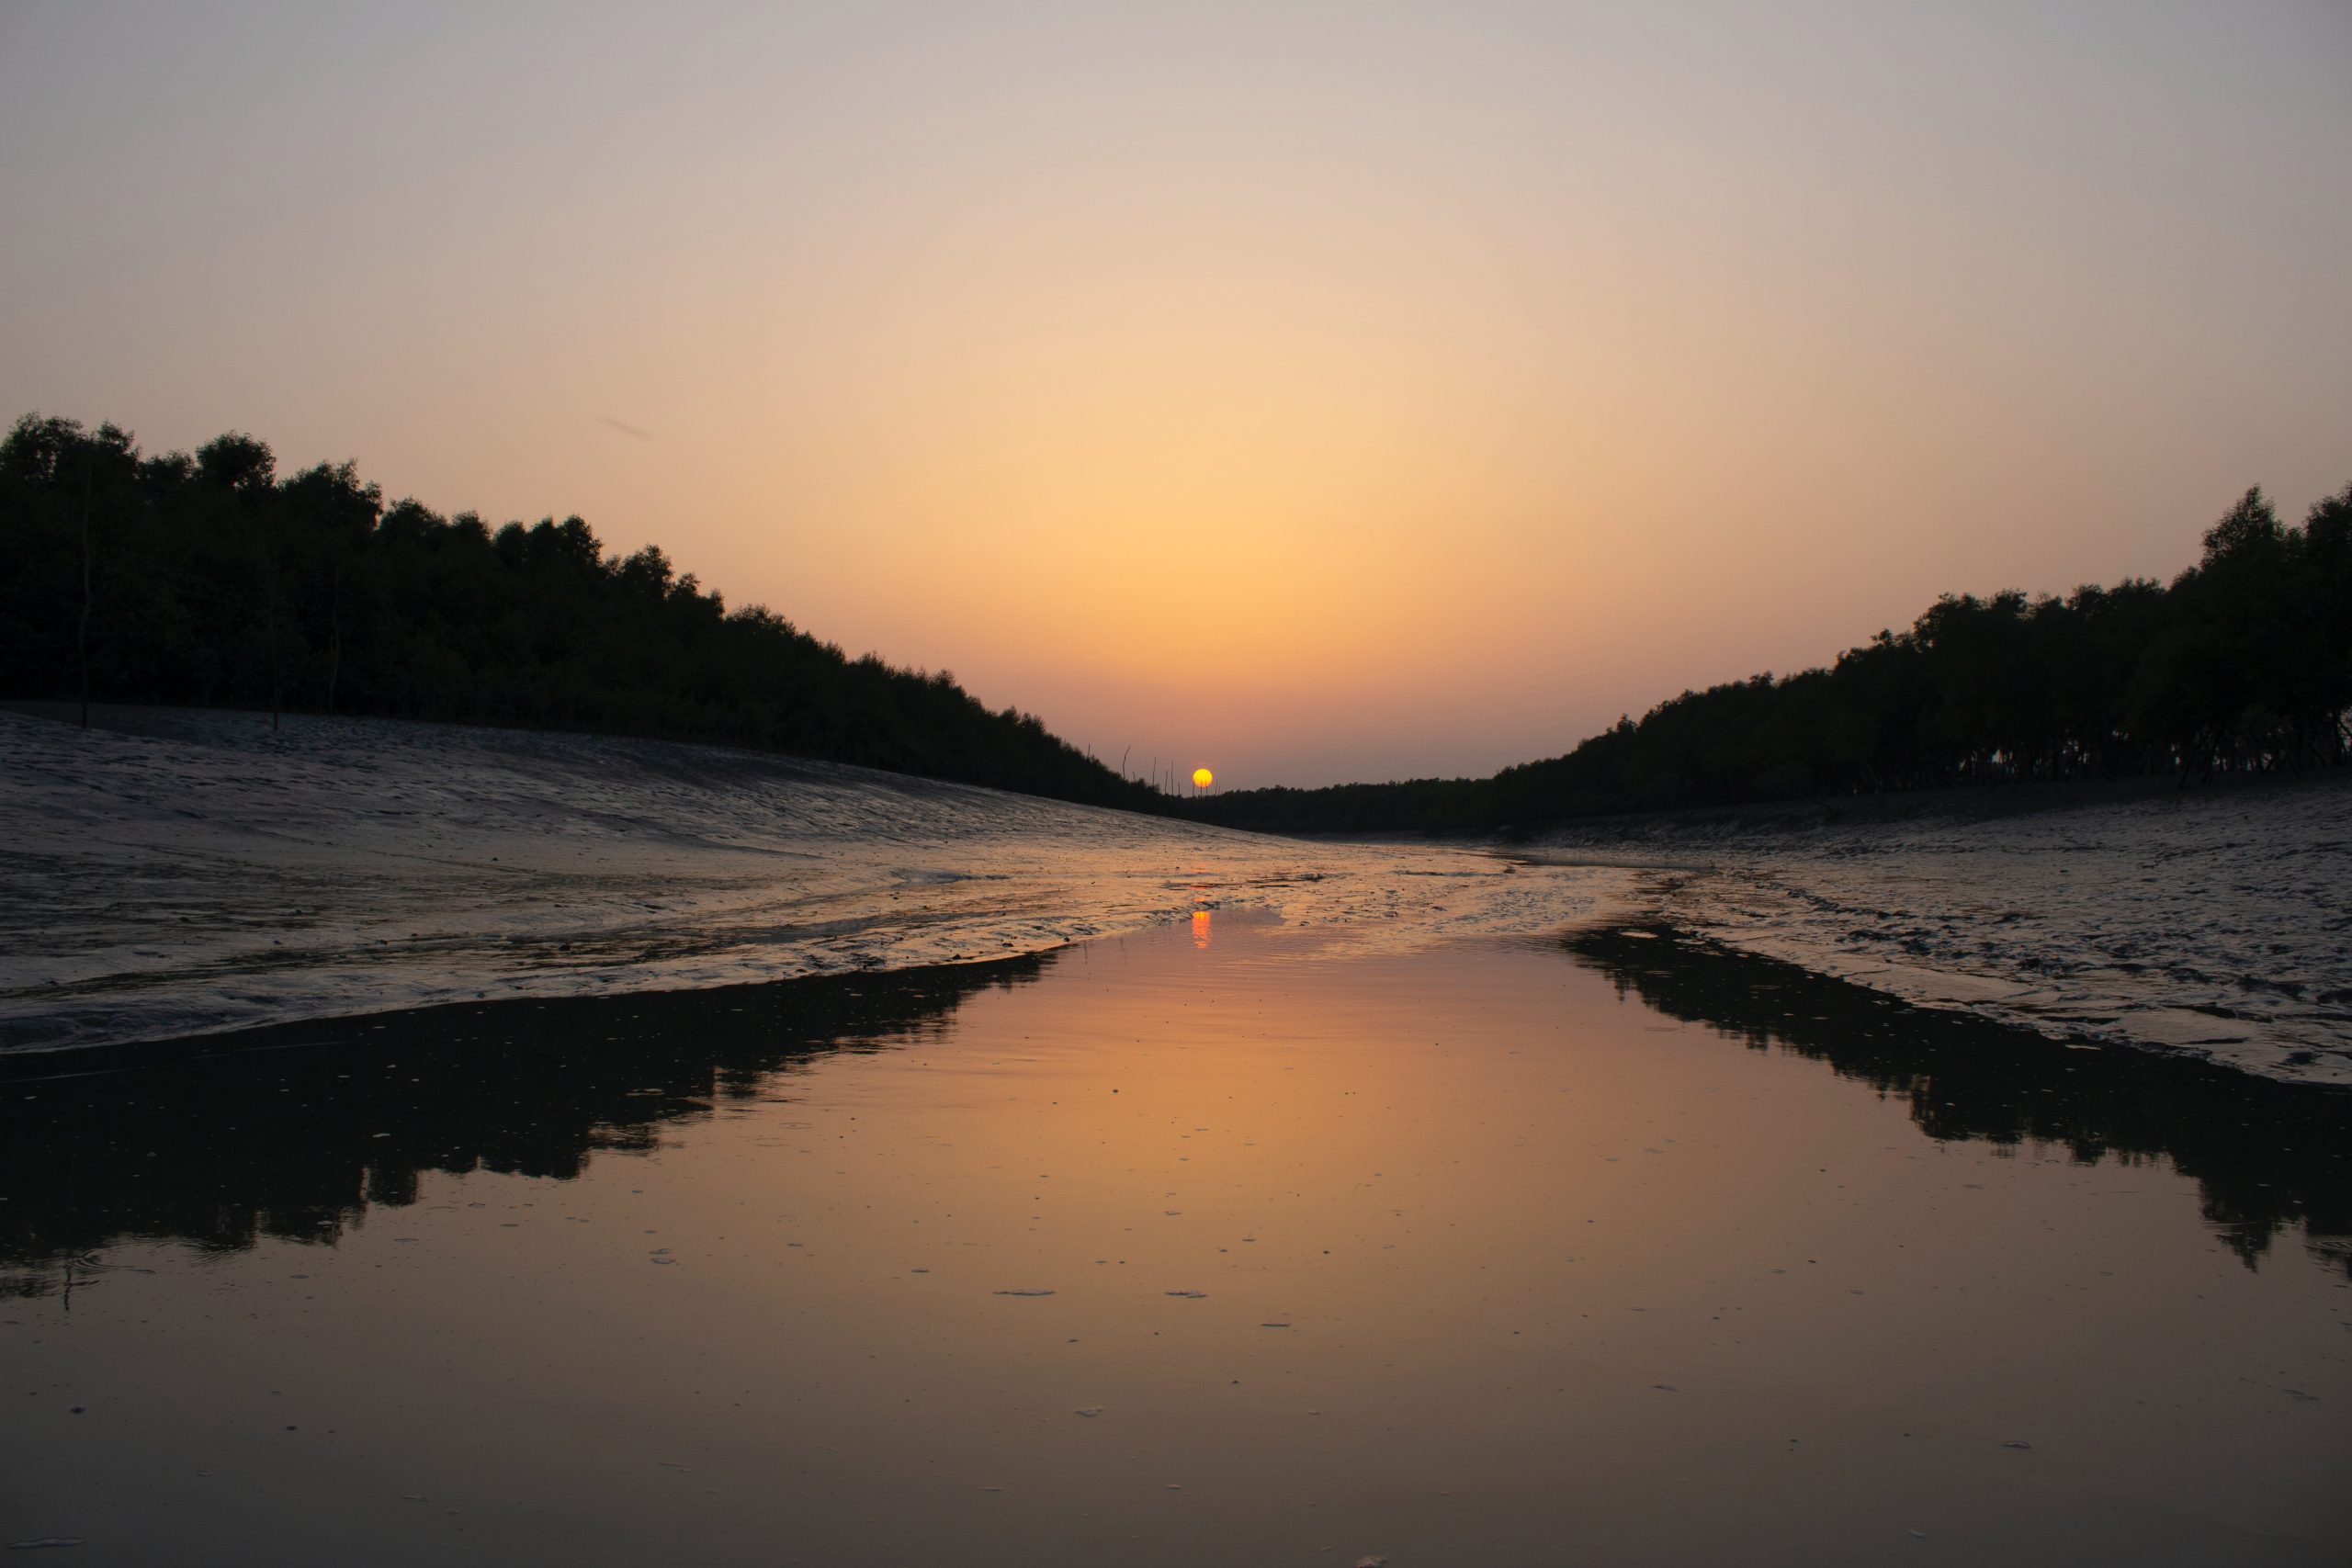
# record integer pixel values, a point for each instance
(1315, 392)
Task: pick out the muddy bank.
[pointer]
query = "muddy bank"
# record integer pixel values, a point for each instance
(173, 872)
(2213, 921)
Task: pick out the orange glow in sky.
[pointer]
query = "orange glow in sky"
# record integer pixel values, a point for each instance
(1347, 393)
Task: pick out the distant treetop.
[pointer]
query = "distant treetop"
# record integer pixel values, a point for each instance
(2243, 664)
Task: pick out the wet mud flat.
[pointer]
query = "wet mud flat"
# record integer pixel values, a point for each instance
(1227, 1242)
(175, 872)
(2213, 920)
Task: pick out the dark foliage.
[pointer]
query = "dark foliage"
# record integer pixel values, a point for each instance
(210, 580)
(2243, 664)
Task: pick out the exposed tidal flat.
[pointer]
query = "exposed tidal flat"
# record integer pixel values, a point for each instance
(407, 1153)
(2213, 919)
(172, 871)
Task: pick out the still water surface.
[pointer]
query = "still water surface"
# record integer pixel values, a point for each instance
(1221, 1245)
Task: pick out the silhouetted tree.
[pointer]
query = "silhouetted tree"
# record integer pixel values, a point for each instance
(2243, 664)
(208, 579)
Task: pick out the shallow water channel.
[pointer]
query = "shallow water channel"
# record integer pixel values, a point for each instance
(1227, 1244)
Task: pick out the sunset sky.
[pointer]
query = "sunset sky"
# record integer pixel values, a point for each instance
(1315, 392)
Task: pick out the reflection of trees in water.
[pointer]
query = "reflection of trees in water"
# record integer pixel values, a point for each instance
(2265, 1155)
(293, 1131)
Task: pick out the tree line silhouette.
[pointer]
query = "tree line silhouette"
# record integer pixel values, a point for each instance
(2243, 663)
(208, 580)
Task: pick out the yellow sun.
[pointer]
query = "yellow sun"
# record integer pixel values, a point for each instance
(1203, 778)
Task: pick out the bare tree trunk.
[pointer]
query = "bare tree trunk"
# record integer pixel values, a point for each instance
(335, 634)
(82, 631)
(272, 626)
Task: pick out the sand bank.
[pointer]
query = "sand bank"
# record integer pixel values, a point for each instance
(2215, 922)
(178, 871)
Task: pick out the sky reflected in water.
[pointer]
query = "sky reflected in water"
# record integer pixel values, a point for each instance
(1178, 1249)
